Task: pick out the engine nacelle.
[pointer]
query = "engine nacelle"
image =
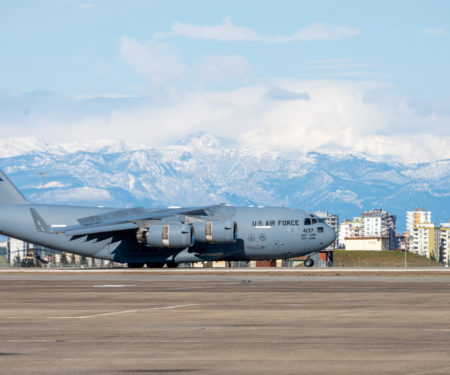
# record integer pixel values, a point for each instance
(176, 236)
(218, 232)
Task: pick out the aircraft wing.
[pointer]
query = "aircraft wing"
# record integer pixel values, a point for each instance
(116, 221)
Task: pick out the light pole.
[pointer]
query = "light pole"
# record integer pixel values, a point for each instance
(43, 174)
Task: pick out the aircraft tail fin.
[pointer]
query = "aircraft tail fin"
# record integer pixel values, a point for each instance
(9, 194)
(39, 223)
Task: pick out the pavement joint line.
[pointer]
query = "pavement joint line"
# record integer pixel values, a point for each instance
(122, 312)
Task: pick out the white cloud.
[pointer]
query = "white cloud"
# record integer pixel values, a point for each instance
(227, 31)
(439, 31)
(156, 61)
(280, 93)
(50, 185)
(221, 69)
(354, 117)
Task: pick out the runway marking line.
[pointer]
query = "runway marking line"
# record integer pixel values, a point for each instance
(123, 312)
(113, 285)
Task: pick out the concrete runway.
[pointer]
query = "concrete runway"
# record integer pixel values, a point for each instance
(226, 323)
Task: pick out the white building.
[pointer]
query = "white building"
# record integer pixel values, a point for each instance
(426, 240)
(379, 223)
(333, 221)
(445, 243)
(418, 216)
(349, 229)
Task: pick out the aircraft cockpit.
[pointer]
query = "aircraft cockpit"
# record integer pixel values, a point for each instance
(313, 220)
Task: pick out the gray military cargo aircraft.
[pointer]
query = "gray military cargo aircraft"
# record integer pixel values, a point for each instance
(158, 237)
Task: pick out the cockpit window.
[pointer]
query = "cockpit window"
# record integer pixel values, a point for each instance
(314, 221)
(307, 221)
(320, 230)
(321, 220)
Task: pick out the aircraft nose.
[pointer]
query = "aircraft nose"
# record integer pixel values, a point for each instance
(330, 235)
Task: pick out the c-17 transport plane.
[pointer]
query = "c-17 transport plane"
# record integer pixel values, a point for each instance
(158, 237)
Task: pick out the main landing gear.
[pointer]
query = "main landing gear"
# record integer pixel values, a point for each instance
(152, 265)
(135, 265)
(155, 265)
(308, 262)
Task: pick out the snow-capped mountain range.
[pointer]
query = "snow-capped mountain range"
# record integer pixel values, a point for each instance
(202, 169)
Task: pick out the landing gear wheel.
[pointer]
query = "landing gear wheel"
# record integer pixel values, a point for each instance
(172, 265)
(308, 262)
(155, 265)
(135, 265)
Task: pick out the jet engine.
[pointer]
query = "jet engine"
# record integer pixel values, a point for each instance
(167, 235)
(218, 232)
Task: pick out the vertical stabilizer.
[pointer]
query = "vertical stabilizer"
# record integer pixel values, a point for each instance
(9, 193)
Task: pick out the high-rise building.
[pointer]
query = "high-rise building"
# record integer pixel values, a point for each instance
(445, 243)
(418, 216)
(379, 223)
(333, 221)
(426, 240)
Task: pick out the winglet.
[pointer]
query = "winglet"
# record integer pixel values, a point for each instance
(39, 223)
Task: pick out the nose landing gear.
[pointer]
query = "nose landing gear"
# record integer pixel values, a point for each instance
(308, 262)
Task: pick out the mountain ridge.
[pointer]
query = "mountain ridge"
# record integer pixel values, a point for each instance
(203, 169)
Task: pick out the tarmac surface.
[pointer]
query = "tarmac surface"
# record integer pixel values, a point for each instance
(143, 322)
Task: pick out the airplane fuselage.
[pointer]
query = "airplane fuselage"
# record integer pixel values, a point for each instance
(262, 233)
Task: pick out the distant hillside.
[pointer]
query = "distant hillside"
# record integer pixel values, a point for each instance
(385, 259)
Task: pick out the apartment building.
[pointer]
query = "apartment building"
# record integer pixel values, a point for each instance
(426, 240)
(417, 216)
(378, 223)
(445, 243)
(349, 229)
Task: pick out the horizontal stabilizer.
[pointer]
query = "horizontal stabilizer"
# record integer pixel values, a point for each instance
(39, 223)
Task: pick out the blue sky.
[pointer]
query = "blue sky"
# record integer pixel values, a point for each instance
(344, 76)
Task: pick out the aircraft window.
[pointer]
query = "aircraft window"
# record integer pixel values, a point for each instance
(320, 230)
(321, 220)
(314, 221)
(307, 221)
